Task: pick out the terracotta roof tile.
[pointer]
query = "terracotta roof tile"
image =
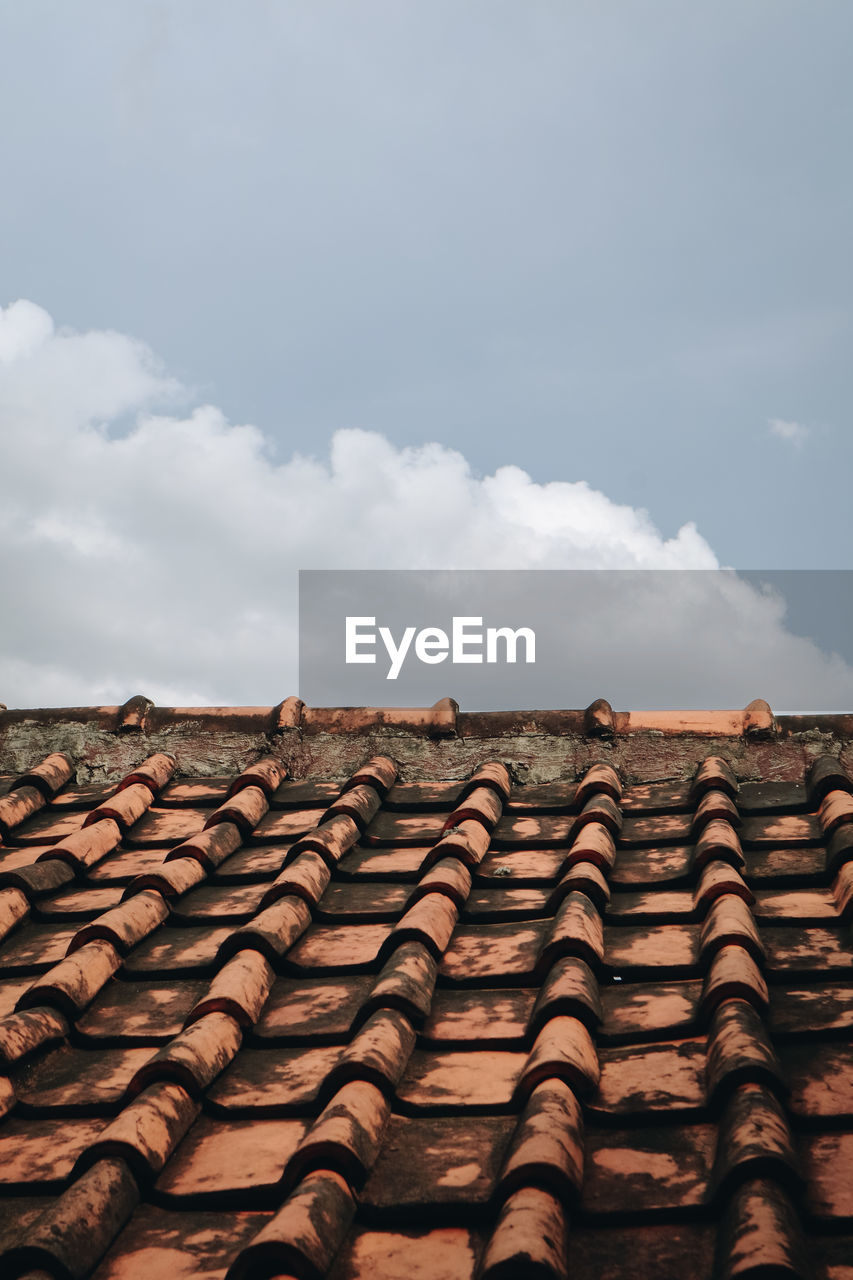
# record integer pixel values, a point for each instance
(17, 806)
(379, 772)
(406, 982)
(146, 1132)
(530, 1239)
(305, 1234)
(826, 774)
(760, 1233)
(21, 1033)
(739, 1049)
(367, 1023)
(48, 775)
(346, 1136)
(240, 989)
(127, 924)
(74, 982)
(195, 1057)
(244, 809)
(86, 847)
(267, 774)
(233, 1158)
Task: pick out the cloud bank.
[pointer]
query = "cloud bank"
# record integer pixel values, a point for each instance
(147, 548)
(784, 429)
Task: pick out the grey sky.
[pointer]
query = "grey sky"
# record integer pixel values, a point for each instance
(602, 242)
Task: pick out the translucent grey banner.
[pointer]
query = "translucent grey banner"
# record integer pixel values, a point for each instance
(540, 639)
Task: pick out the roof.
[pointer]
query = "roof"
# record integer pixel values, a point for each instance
(367, 993)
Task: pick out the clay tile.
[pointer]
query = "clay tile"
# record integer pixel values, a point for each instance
(570, 988)
(194, 1058)
(839, 849)
(827, 774)
(758, 720)
(598, 719)
(734, 975)
(305, 1234)
(133, 716)
(582, 877)
(378, 1053)
(85, 847)
(469, 842)
(718, 840)
(599, 779)
(21, 1033)
(125, 807)
(443, 716)
(306, 877)
(449, 876)
(760, 1235)
(843, 890)
(380, 773)
(493, 774)
(146, 1132)
(593, 843)
(38, 878)
(562, 1049)
(268, 773)
(530, 1239)
(430, 921)
(754, 1139)
(125, 925)
(153, 773)
(715, 804)
(346, 1135)
(599, 808)
(272, 931)
(718, 878)
(739, 1050)
(288, 714)
(713, 774)
(332, 840)
(171, 879)
(245, 810)
(240, 989)
(836, 810)
(360, 803)
(73, 983)
(481, 805)
(210, 847)
(576, 930)
(17, 806)
(14, 907)
(48, 776)
(729, 920)
(547, 1148)
(74, 1232)
(406, 983)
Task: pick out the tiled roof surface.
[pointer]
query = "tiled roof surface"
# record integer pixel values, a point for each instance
(399, 995)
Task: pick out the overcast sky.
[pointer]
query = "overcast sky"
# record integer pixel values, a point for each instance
(446, 253)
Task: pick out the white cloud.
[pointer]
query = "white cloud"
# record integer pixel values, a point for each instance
(144, 551)
(794, 432)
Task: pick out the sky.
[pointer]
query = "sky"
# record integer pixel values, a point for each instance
(480, 285)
